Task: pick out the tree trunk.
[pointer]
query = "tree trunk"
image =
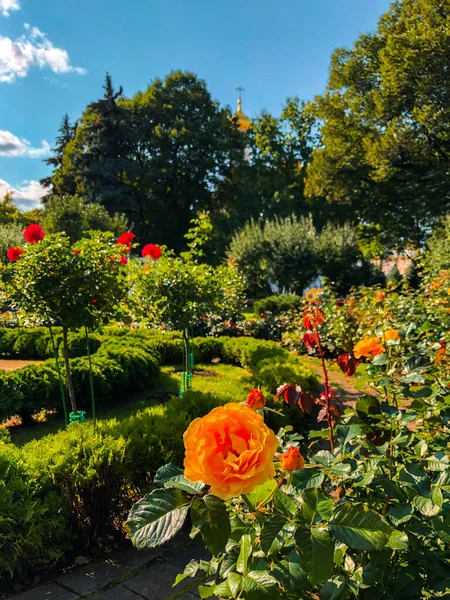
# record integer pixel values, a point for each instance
(73, 402)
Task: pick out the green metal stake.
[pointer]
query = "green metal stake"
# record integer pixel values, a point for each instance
(61, 385)
(91, 378)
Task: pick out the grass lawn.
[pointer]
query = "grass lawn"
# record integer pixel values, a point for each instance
(248, 313)
(224, 380)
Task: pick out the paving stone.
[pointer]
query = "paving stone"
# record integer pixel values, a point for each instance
(182, 558)
(136, 559)
(120, 592)
(92, 578)
(47, 592)
(156, 583)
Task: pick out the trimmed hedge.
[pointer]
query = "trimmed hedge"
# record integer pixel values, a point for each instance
(276, 305)
(73, 489)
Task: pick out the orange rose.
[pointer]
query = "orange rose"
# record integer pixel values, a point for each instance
(380, 297)
(368, 347)
(292, 460)
(231, 449)
(255, 399)
(391, 334)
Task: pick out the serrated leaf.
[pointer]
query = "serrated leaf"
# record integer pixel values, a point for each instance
(346, 433)
(157, 517)
(210, 515)
(289, 572)
(244, 553)
(359, 527)
(307, 478)
(368, 406)
(316, 549)
(239, 528)
(285, 503)
(316, 507)
(259, 585)
(171, 476)
(270, 540)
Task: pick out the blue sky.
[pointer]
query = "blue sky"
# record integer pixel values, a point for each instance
(54, 55)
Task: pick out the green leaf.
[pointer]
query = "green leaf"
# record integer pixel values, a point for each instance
(379, 360)
(244, 553)
(416, 477)
(400, 514)
(334, 589)
(285, 503)
(289, 572)
(210, 515)
(206, 591)
(260, 493)
(398, 540)
(359, 527)
(235, 582)
(172, 476)
(316, 549)
(157, 517)
(307, 478)
(316, 507)
(190, 570)
(239, 528)
(270, 540)
(426, 506)
(346, 433)
(259, 585)
(368, 406)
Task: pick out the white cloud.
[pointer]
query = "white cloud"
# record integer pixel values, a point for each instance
(8, 5)
(26, 196)
(33, 49)
(11, 145)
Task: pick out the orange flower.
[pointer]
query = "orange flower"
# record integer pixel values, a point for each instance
(368, 347)
(380, 297)
(255, 399)
(292, 460)
(231, 449)
(391, 334)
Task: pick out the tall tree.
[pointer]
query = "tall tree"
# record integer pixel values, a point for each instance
(385, 124)
(102, 167)
(57, 181)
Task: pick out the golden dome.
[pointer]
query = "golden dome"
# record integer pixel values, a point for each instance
(244, 122)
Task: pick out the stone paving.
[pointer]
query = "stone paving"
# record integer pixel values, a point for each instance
(132, 575)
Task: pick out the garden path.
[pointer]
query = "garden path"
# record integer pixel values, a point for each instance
(131, 575)
(343, 385)
(13, 365)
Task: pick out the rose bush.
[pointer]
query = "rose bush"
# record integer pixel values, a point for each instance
(357, 509)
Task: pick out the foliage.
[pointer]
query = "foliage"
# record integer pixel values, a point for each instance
(290, 253)
(384, 124)
(34, 531)
(10, 235)
(366, 517)
(276, 304)
(75, 217)
(436, 256)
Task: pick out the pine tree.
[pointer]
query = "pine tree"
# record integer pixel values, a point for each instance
(103, 167)
(58, 184)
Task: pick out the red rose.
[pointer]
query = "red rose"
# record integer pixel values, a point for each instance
(14, 253)
(151, 250)
(75, 251)
(255, 399)
(124, 260)
(126, 239)
(33, 233)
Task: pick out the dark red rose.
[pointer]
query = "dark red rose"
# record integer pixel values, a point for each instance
(151, 250)
(347, 363)
(33, 233)
(126, 239)
(75, 251)
(124, 260)
(14, 253)
(255, 399)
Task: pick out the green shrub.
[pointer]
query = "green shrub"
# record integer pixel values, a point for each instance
(271, 374)
(38, 387)
(276, 305)
(33, 529)
(88, 469)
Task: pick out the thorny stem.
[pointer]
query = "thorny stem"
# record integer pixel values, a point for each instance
(327, 387)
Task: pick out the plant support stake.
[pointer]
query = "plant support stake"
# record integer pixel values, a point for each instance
(61, 385)
(91, 377)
